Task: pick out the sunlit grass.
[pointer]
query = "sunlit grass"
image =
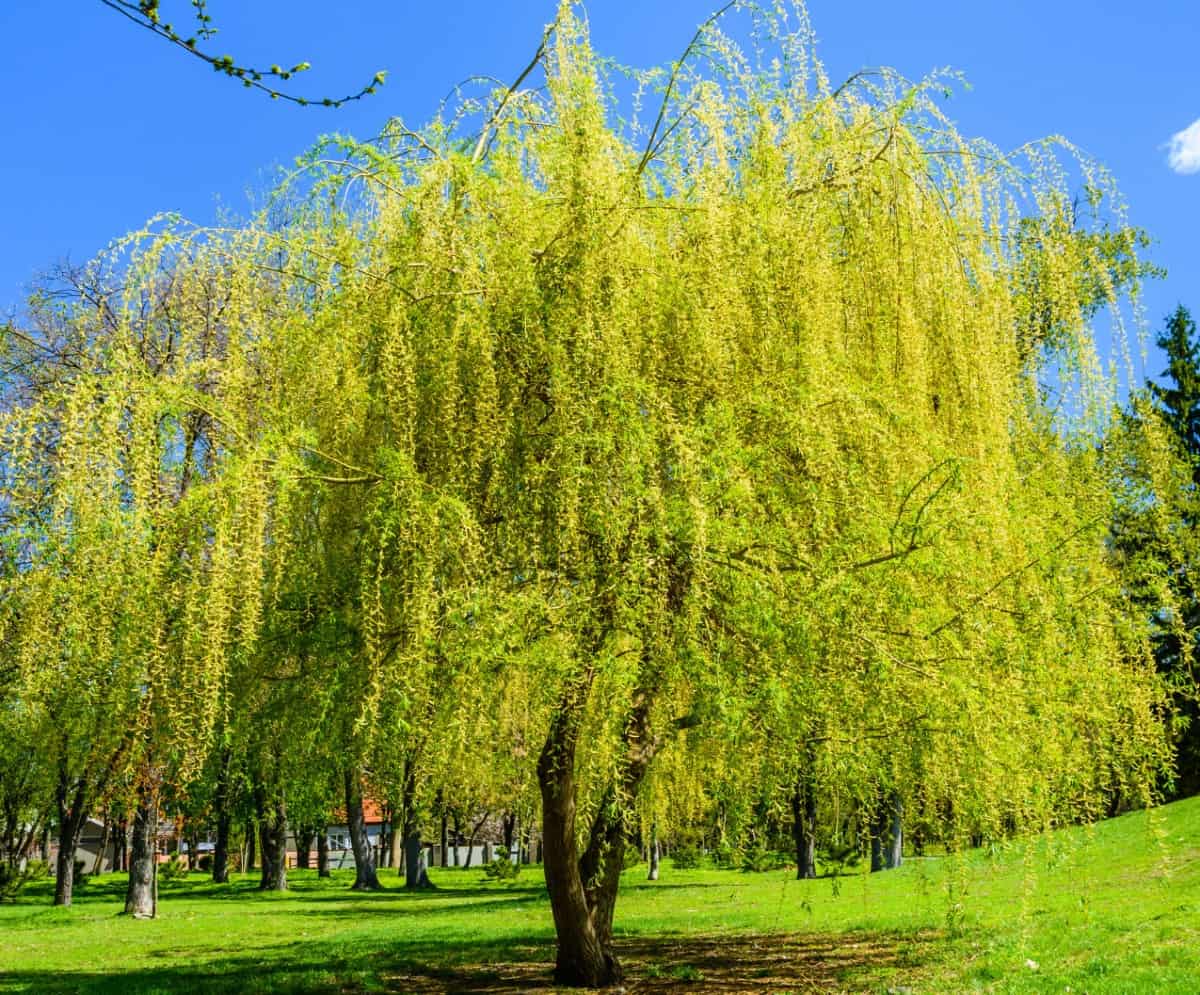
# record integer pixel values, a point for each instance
(1112, 908)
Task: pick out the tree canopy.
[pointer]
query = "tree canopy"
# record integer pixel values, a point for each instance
(668, 458)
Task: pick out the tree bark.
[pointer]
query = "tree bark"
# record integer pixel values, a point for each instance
(323, 852)
(272, 831)
(445, 861)
(894, 856)
(804, 828)
(653, 873)
(220, 864)
(72, 815)
(250, 844)
(139, 893)
(581, 961)
(365, 878)
(304, 841)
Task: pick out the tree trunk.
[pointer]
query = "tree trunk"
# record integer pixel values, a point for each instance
(416, 875)
(471, 841)
(272, 831)
(72, 816)
(139, 893)
(220, 864)
(445, 861)
(365, 878)
(581, 961)
(509, 824)
(895, 848)
(653, 875)
(98, 866)
(323, 852)
(304, 841)
(396, 843)
(250, 843)
(804, 828)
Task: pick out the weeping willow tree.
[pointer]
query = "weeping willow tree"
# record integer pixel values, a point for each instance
(714, 437)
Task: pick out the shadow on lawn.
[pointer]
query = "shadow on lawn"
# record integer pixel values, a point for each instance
(717, 963)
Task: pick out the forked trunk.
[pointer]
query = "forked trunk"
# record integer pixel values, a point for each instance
(72, 814)
(139, 893)
(581, 959)
(365, 878)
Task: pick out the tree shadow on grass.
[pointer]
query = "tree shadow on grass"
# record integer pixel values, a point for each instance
(724, 963)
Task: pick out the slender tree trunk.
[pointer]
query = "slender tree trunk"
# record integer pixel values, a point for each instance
(804, 828)
(250, 844)
(98, 865)
(304, 841)
(895, 844)
(445, 861)
(416, 874)
(139, 893)
(396, 844)
(323, 852)
(273, 842)
(72, 816)
(365, 878)
(220, 864)
(653, 874)
(474, 835)
(509, 824)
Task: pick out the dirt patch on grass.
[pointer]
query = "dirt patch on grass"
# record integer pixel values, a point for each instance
(730, 965)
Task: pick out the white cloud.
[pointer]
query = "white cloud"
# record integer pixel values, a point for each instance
(1183, 150)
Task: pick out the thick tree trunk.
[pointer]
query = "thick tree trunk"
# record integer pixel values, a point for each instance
(323, 852)
(139, 893)
(653, 873)
(272, 831)
(416, 874)
(581, 960)
(365, 878)
(804, 828)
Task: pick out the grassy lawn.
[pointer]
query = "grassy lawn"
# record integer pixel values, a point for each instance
(1111, 908)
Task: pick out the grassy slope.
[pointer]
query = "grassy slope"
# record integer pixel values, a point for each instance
(1112, 908)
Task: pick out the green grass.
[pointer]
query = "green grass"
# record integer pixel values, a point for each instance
(1111, 908)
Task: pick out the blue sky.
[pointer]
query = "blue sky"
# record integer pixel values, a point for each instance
(105, 125)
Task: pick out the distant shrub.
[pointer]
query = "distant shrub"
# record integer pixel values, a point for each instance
(173, 869)
(502, 868)
(79, 866)
(633, 857)
(761, 859)
(726, 856)
(686, 858)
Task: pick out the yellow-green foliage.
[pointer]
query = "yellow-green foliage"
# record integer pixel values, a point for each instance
(737, 418)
